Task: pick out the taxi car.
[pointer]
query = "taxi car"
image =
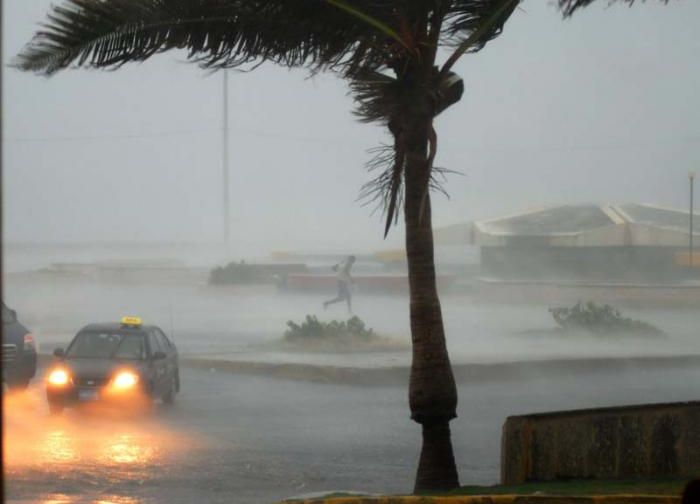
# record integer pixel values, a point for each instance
(128, 363)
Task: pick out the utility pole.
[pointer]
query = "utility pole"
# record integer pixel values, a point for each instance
(691, 178)
(224, 160)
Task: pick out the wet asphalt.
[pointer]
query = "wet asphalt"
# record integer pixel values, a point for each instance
(247, 439)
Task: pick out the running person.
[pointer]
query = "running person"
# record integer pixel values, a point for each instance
(344, 283)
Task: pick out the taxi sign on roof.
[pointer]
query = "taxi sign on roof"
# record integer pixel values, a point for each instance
(131, 321)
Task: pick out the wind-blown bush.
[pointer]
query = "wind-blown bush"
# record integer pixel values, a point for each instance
(600, 319)
(312, 329)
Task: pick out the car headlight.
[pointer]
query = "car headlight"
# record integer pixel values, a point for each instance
(125, 380)
(58, 377)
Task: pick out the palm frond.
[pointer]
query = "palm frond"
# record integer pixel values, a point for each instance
(216, 33)
(470, 24)
(378, 97)
(388, 30)
(385, 190)
(568, 7)
(482, 24)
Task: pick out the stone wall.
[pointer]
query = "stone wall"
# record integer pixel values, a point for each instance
(633, 442)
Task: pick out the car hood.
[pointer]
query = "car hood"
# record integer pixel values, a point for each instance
(99, 368)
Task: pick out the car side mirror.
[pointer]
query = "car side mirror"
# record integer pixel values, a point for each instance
(159, 355)
(13, 316)
(59, 352)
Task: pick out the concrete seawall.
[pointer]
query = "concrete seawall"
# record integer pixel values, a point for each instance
(634, 442)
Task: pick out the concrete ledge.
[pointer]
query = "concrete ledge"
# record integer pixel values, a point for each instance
(499, 499)
(651, 441)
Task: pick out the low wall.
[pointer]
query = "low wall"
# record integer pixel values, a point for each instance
(633, 442)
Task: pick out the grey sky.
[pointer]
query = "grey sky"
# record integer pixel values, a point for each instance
(603, 107)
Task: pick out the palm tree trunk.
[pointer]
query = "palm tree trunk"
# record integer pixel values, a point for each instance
(432, 390)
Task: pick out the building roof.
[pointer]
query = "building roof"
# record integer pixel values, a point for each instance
(660, 217)
(564, 219)
(591, 225)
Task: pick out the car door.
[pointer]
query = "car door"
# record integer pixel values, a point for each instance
(171, 356)
(158, 366)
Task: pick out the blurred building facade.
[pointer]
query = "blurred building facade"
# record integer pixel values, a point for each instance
(597, 243)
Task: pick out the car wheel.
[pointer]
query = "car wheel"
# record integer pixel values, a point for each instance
(18, 385)
(56, 408)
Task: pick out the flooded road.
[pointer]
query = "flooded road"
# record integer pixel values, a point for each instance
(232, 438)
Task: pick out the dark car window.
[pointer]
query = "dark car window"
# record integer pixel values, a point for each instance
(131, 347)
(163, 340)
(155, 344)
(107, 345)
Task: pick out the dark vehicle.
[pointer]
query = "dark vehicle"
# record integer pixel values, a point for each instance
(129, 363)
(18, 352)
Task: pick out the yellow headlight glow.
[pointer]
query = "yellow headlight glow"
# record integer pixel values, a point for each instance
(125, 380)
(58, 377)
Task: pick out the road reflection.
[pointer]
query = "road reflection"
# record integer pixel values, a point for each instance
(84, 450)
(126, 449)
(57, 446)
(67, 499)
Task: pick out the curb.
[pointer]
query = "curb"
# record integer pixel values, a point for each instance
(399, 374)
(499, 499)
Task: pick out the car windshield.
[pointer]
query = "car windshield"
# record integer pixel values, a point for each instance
(107, 345)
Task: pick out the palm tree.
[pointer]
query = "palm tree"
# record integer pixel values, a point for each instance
(387, 50)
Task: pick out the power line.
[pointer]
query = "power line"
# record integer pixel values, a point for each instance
(106, 137)
(691, 139)
(137, 136)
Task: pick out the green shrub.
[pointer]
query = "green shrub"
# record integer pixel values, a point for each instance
(600, 319)
(312, 329)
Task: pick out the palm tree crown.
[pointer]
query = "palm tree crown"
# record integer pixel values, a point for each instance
(320, 34)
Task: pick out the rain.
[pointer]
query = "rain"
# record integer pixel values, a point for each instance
(223, 206)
